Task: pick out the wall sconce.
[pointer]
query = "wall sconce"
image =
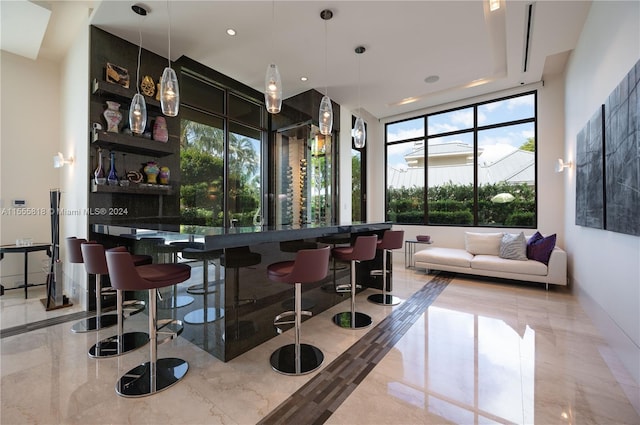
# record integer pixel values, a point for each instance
(561, 165)
(59, 161)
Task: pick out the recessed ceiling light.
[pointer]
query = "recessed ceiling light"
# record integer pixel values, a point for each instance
(231, 31)
(431, 79)
(304, 78)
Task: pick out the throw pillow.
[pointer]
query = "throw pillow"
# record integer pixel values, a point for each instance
(530, 240)
(513, 246)
(540, 250)
(482, 243)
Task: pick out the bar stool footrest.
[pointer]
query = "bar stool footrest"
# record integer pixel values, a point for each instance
(133, 307)
(169, 328)
(108, 347)
(283, 360)
(138, 383)
(199, 288)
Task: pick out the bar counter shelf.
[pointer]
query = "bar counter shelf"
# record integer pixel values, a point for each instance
(244, 299)
(134, 188)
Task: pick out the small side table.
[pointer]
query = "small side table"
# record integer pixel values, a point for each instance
(410, 249)
(25, 249)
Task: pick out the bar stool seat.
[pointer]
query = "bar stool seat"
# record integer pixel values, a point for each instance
(310, 265)
(206, 314)
(121, 343)
(391, 239)
(364, 249)
(100, 320)
(156, 374)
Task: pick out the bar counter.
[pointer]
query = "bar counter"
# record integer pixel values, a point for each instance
(238, 317)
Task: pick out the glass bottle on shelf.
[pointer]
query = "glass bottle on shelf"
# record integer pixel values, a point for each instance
(99, 176)
(112, 178)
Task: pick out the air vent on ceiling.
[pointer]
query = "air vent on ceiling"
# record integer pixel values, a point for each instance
(527, 35)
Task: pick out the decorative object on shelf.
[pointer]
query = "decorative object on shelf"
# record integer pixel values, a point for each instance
(138, 108)
(169, 90)
(164, 174)
(160, 132)
(147, 86)
(98, 175)
(134, 176)
(124, 181)
(359, 130)
(113, 116)
(325, 114)
(112, 178)
(152, 170)
(117, 74)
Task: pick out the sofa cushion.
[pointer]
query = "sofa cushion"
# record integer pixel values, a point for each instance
(539, 248)
(513, 246)
(482, 243)
(444, 256)
(494, 263)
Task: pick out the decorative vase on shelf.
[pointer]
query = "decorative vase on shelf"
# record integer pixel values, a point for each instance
(112, 178)
(113, 116)
(99, 177)
(160, 132)
(151, 170)
(164, 174)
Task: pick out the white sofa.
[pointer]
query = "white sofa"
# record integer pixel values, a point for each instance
(460, 260)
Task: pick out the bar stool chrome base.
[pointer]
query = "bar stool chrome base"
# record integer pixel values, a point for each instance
(284, 359)
(202, 315)
(95, 323)
(140, 382)
(201, 289)
(384, 299)
(355, 320)
(110, 347)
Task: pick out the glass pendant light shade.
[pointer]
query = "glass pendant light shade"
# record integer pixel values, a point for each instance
(169, 93)
(325, 116)
(273, 89)
(138, 114)
(359, 133)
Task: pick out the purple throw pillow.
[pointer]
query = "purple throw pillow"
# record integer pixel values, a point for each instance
(539, 248)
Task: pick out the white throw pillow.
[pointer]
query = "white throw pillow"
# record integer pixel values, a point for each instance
(482, 243)
(513, 246)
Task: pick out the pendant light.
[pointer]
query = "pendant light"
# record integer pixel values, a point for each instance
(169, 90)
(359, 130)
(272, 80)
(325, 115)
(138, 108)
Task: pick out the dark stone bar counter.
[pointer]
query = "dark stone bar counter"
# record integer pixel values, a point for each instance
(238, 317)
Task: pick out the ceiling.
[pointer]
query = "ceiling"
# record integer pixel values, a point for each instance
(471, 49)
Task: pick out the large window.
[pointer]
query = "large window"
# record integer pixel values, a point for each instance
(221, 156)
(477, 162)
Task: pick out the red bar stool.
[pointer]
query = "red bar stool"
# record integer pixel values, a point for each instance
(99, 321)
(121, 343)
(310, 265)
(156, 374)
(391, 239)
(363, 249)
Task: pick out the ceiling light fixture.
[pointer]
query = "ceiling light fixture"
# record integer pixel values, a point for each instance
(138, 108)
(325, 115)
(169, 90)
(359, 130)
(231, 31)
(304, 79)
(494, 5)
(272, 80)
(432, 79)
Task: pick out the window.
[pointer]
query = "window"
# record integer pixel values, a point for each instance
(477, 162)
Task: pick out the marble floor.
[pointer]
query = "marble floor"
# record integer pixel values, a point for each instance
(478, 351)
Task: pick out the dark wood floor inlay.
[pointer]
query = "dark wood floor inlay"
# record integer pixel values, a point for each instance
(314, 402)
(17, 330)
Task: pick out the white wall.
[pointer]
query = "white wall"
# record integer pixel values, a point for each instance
(549, 149)
(74, 180)
(605, 266)
(29, 137)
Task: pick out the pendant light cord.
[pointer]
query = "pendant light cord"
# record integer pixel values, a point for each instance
(169, 14)
(326, 68)
(139, 55)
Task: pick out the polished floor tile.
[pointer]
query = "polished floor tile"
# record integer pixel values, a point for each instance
(480, 352)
